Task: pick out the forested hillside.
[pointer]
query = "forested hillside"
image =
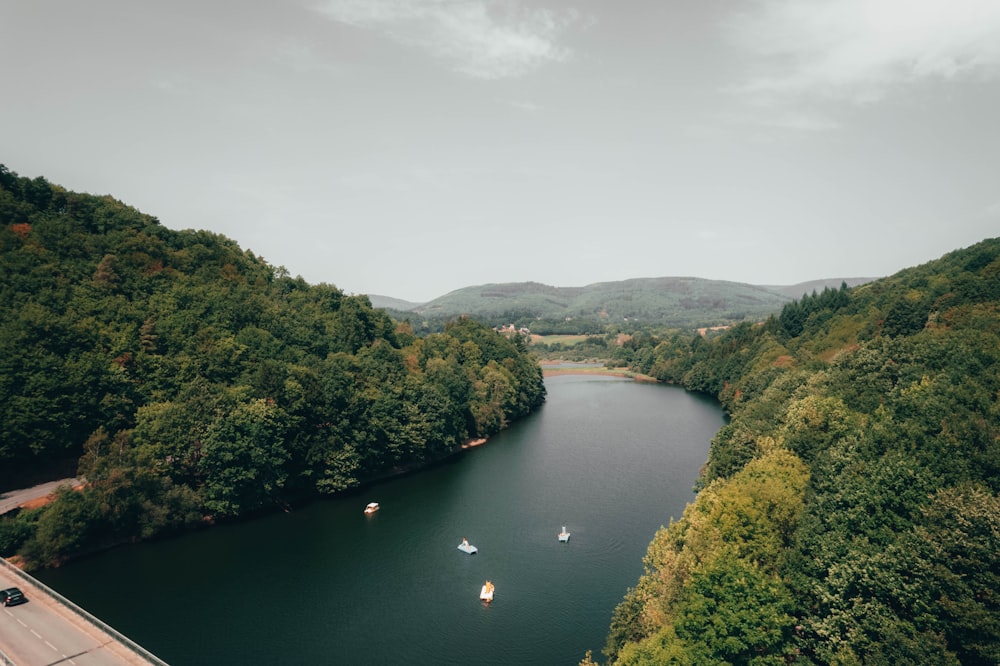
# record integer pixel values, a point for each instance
(849, 512)
(187, 380)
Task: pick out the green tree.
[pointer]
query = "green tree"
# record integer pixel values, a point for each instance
(243, 458)
(732, 612)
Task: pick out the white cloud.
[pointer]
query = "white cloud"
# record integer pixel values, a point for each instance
(858, 50)
(485, 39)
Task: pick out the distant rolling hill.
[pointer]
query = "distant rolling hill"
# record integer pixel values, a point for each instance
(390, 303)
(665, 301)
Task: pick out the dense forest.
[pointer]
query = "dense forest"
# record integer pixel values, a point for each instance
(848, 513)
(188, 381)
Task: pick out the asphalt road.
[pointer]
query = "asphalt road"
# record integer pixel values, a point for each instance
(12, 499)
(43, 631)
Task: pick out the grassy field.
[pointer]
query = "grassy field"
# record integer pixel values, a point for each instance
(564, 340)
(554, 368)
(569, 360)
(571, 348)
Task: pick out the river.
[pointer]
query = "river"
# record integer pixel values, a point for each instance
(609, 458)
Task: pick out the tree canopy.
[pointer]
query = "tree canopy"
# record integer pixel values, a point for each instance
(189, 381)
(848, 512)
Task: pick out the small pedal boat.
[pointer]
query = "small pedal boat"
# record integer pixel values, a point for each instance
(467, 547)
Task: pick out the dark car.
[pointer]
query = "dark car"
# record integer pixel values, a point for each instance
(12, 596)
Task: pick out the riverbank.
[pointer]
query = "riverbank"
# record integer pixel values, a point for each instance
(42, 494)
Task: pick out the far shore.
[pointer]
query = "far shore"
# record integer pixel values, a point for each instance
(556, 368)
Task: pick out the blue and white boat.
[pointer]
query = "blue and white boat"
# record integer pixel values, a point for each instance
(564, 535)
(467, 547)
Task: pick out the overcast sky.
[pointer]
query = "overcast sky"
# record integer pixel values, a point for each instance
(412, 147)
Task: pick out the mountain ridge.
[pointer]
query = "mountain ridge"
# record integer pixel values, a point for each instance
(668, 300)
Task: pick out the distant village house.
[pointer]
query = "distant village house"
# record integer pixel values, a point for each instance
(509, 329)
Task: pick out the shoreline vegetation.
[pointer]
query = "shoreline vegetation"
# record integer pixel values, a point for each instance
(549, 369)
(74, 484)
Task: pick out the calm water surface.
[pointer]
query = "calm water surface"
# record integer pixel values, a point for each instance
(610, 459)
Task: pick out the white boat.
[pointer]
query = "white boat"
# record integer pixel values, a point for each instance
(564, 535)
(486, 594)
(467, 547)
(372, 508)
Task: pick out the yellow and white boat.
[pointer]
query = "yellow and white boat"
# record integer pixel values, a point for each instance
(486, 594)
